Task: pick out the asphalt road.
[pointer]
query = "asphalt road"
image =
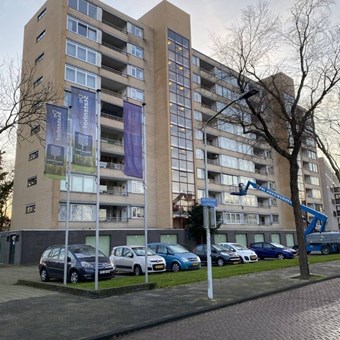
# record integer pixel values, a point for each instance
(306, 313)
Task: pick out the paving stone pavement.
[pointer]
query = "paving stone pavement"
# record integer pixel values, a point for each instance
(307, 313)
(30, 313)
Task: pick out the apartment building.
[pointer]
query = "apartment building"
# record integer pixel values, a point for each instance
(149, 62)
(331, 195)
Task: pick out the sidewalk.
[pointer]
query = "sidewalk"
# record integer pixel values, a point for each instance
(40, 314)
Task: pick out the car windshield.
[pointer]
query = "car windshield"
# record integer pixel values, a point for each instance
(277, 245)
(140, 251)
(178, 249)
(83, 251)
(239, 246)
(219, 248)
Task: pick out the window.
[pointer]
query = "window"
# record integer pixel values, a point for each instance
(40, 36)
(78, 212)
(135, 50)
(231, 218)
(135, 94)
(79, 76)
(200, 173)
(41, 14)
(32, 181)
(195, 60)
(80, 183)
(135, 72)
(135, 30)
(35, 130)
(84, 7)
(33, 155)
(196, 78)
(199, 154)
(275, 218)
(30, 208)
(137, 212)
(81, 52)
(82, 29)
(39, 58)
(137, 187)
(197, 97)
(38, 81)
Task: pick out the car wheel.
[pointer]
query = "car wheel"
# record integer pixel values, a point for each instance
(137, 270)
(280, 256)
(241, 260)
(74, 276)
(175, 267)
(326, 249)
(44, 276)
(220, 262)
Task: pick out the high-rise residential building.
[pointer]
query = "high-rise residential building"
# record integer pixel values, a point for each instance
(331, 195)
(149, 62)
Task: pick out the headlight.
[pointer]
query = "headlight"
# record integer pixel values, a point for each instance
(184, 259)
(86, 265)
(225, 254)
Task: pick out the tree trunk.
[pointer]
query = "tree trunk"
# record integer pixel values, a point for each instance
(303, 258)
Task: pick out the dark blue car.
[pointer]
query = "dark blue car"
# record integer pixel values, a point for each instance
(272, 250)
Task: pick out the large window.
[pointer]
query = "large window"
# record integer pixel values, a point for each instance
(135, 72)
(79, 76)
(137, 212)
(81, 28)
(78, 212)
(84, 7)
(135, 30)
(135, 94)
(81, 52)
(80, 183)
(135, 50)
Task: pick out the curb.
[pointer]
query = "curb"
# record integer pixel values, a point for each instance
(92, 294)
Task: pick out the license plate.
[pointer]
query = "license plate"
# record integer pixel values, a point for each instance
(104, 272)
(159, 266)
(195, 264)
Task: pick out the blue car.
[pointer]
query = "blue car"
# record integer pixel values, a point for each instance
(272, 250)
(176, 256)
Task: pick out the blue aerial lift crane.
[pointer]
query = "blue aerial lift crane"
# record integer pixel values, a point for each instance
(316, 237)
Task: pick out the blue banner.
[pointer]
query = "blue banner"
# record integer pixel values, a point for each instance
(56, 141)
(133, 149)
(83, 131)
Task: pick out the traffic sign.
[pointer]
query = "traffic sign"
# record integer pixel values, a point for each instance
(208, 202)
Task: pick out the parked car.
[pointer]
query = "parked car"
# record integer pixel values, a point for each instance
(246, 255)
(80, 263)
(131, 259)
(272, 250)
(176, 256)
(219, 255)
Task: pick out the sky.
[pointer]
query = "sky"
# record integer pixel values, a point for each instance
(206, 17)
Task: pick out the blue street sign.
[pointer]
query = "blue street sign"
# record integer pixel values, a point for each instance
(208, 202)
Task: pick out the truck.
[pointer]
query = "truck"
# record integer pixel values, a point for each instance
(315, 235)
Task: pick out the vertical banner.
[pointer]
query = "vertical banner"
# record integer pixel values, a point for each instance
(133, 149)
(56, 141)
(83, 131)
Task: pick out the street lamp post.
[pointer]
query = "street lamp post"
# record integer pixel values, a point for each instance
(206, 208)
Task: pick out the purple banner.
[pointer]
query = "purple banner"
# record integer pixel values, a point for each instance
(133, 149)
(83, 131)
(56, 141)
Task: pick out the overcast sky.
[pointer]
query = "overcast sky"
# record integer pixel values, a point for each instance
(206, 17)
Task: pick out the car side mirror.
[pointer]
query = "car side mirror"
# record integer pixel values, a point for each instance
(68, 259)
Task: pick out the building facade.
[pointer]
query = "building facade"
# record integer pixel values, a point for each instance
(149, 62)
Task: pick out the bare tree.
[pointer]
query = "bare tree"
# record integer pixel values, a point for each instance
(22, 98)
(6, 187)
(296, 66)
